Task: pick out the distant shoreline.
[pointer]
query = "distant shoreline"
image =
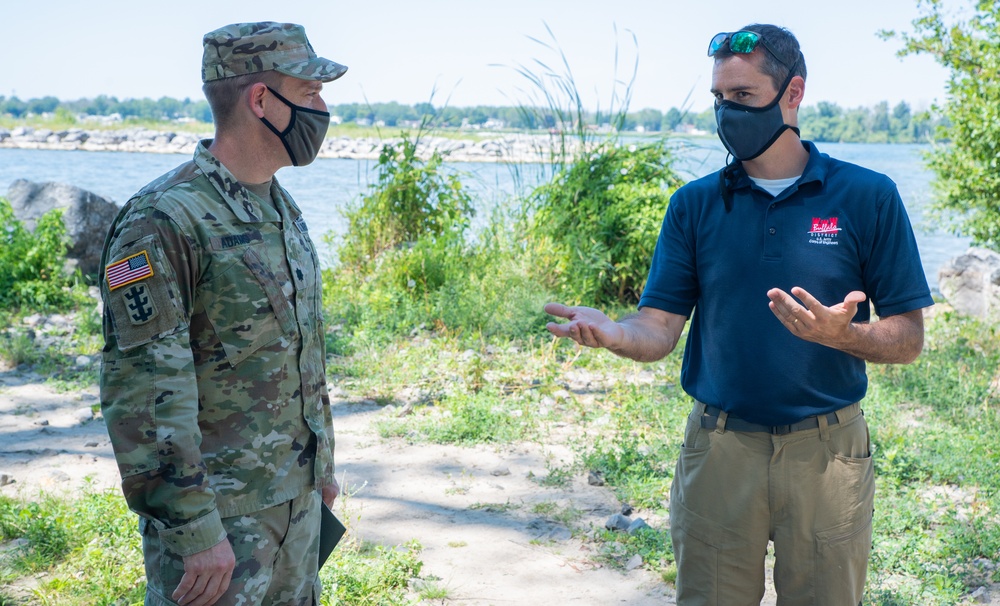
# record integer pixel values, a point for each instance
(503, 147)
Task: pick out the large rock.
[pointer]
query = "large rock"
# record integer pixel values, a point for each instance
(971, 283)
(86, 216)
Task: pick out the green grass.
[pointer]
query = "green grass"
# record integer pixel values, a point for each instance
(935, 430)
(64, 121)
(87, 551)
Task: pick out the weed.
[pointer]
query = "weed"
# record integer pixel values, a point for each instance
(495, 507)
(433, 591)
(557, 477)
(17, 348)
(361, 573)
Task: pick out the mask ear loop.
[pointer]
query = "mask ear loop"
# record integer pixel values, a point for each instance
(291, 123)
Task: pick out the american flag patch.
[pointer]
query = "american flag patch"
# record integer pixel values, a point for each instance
(128, 270)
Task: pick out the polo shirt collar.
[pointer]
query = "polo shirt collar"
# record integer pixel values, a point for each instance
(815, 170)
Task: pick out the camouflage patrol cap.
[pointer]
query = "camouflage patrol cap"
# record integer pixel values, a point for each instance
(248, 48)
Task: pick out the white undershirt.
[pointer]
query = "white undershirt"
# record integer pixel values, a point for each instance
(775, 186)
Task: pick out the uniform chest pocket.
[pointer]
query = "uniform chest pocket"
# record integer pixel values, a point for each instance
(247, 308)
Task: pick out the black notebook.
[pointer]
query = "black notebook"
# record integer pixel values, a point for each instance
(330, 531)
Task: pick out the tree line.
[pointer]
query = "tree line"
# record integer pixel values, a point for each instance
(825, 121)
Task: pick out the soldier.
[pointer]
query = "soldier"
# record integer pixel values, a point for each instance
(213, 379)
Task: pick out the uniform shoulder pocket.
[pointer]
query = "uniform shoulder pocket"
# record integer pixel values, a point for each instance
(140, 293)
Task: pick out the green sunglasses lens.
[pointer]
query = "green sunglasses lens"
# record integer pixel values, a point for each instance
(743, 42)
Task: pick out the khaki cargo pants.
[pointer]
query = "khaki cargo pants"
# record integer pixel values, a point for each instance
(811, 492)
(277, 558)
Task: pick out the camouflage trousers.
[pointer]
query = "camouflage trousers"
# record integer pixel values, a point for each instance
(277, 557)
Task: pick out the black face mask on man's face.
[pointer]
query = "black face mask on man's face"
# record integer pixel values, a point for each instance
(305, 132)
(747, 131)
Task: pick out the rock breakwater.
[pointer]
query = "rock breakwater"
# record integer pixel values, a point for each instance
(516, 148)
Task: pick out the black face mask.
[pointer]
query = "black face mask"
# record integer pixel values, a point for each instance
(746, 131)
(305, 132)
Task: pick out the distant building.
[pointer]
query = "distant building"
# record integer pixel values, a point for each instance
(689, 129)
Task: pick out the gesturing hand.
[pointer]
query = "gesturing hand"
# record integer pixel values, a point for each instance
(206, 576)
(587, 326)
(811, 320)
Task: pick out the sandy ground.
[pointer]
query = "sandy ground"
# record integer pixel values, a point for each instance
(475, 511)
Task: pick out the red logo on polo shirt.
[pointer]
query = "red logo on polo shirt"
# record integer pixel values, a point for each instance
(824, 231)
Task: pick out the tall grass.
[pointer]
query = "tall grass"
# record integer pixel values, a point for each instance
(553, 101)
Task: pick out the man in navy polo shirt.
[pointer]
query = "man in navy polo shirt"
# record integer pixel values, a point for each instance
(775, 259)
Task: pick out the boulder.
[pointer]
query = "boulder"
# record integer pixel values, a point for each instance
(86, 216)
(971, 283)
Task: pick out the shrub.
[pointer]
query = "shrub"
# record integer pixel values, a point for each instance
(594, 227)
(406, 260)
(31, 263)
(411, 199)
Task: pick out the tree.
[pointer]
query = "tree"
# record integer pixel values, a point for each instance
(672, 119)
(967, 182)
(45, 105)
(651, 120)
(15, 107)
(880, 122)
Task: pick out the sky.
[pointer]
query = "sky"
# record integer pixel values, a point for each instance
(466, 52)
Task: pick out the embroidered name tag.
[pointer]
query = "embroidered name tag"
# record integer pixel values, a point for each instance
(128, 270)
(234, 240)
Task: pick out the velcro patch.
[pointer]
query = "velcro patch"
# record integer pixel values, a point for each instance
(128, 270)
(139, 304)
(142, 309)
(234, 240)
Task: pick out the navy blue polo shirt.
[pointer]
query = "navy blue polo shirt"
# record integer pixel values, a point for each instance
(839, 228)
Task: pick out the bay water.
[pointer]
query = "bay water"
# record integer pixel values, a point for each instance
(325, 188)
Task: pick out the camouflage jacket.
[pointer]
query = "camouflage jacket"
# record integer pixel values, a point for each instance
(212, 380)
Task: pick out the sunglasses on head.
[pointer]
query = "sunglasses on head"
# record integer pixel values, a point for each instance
(742, 42)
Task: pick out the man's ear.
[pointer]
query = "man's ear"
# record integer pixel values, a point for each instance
(255, 97)
(796, 92)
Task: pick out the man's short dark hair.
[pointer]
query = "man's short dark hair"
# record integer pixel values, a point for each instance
(782, 43)
(223, 95)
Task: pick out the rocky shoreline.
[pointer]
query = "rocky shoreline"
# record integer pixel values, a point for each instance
(505, 147)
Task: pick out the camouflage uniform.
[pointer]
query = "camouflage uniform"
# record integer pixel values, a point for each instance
(213, 382)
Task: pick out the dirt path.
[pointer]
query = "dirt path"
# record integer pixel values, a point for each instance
(491, 534)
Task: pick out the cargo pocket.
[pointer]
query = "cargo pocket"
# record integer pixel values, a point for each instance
(704, 553)
(246, 307)
(842, 564)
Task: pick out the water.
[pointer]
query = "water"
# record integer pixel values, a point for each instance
(324, 188)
